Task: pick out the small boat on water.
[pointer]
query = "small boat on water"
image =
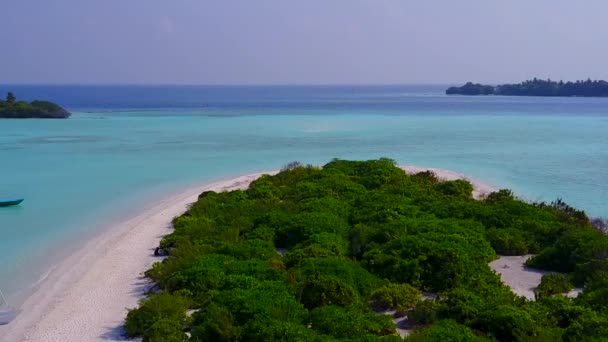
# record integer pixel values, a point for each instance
(10, 202)
(7, 313)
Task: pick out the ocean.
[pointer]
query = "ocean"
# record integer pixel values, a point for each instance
(126, 146)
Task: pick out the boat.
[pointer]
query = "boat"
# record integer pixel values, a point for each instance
(7, 313)
(10, 202)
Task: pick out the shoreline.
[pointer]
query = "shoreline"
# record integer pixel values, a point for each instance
(87, 294)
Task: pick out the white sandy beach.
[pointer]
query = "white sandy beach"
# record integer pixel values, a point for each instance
(86, 297)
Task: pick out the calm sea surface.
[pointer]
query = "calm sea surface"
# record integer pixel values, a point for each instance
(126, 146)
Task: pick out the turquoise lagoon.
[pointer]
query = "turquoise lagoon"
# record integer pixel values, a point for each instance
(126, 147)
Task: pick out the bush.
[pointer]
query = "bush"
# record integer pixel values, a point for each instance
(506, 322)
(590, 326)
(433, 260)
(424, 312)
(399, 297)
(348, 272)
(552, 284)
(161, 313)
(322, 290)
(318, 245)
(595, 295)
(269, 330)
(343, 323)
(270, 299)
(573, 248)
(445, 331)
(457, 188)
(214, 323)
(165, 330)
(511, 241)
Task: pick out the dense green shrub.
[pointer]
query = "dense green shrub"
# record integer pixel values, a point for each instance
(269, 330)
(162, 313)
(445, 331)
(270, 299)
(424, 312)
(349, 272)
(589, 326)
(595, 295)
(318, 245)
(398, 297)
(574, 248)
(551, 284)
(319, 290)
(505, 322)
(365, 233)
(345, 323)
(511, 241)
(432, 260)
(165, 330)
(590, 270)
(456, 188)
(214, 323)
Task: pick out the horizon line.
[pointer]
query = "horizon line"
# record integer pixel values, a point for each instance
(225, 84)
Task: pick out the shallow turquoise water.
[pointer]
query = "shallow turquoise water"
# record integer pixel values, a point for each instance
(81, 174)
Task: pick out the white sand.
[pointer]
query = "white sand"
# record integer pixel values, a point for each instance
(521, 279)
(85, 298)
(480, 190)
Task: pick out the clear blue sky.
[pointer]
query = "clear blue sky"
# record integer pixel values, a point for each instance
(301, 41)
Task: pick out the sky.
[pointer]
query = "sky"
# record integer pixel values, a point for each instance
(301, 41)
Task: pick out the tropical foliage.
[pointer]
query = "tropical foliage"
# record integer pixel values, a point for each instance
(11, 108)
(363, 236)
(536, 87)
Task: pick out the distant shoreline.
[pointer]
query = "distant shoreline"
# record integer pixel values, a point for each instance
(13, 109)
(536, 87)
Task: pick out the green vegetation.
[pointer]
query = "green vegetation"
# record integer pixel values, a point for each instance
(423, 313)
(552, 284)
(536, 87)
(399, 297)
(13, 109)
(471, 88)
(364, 236)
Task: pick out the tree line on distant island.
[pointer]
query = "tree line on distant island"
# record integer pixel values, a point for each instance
(361, 238)
(13, 109)
(536, 87)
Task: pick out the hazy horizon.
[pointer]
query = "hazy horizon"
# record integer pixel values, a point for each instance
(273, 42)
(94, 84)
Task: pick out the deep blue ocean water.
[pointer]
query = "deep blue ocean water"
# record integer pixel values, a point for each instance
(126, 146)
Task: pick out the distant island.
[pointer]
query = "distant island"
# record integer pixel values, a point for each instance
(535, 87)
(13, 109)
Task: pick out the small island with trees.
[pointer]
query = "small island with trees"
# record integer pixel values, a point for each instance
(13, 109)
(536, 87)
(339, 253)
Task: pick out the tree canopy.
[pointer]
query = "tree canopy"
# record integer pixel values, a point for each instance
(536, 87)
(13, 109)
(362, 236)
